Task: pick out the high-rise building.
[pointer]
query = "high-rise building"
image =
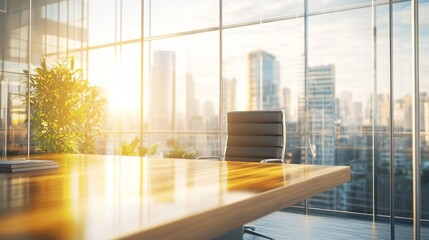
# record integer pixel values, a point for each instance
(302, 113)
(264, 70)
(161, 90)
(349, 111)
(287, 102)
(356, 114)
(229, 98)
(193, 119)
(192, 106)
(355, 195)
(345, 107)
(402, 112)
(382, 109)
(321, 124)
(321, 113)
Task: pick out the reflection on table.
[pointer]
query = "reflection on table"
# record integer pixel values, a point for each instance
(104, 197)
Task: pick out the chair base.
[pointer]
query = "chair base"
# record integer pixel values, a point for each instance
(251, 230)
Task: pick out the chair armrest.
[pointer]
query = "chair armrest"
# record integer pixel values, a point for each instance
(271, 160)
(209, 157)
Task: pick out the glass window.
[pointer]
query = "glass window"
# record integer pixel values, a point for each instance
(146, 16)
(146, 82)
(274, 8)
(424, 112)
(236, 11)
(102, 22)
(317, 5)
(13, 115)
(187, 145)
(131, 19)
(125, 91)
(119, 81)
(102, 71)
(339, 108)
(338, 90)
(238, 43)
(271, 55)
(172, 16)
(76, 11)
(77, 29)
(402, 72)
(381, 109)
(52, 12)
(184, 84)
(100, 64)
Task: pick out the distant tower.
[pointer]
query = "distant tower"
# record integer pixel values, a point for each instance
(229, 98)
(263, 70)
(161, 90)
(192, 105)
(287, 102)
(383, 110)
(345, 108)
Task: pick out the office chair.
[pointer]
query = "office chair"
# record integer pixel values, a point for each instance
(254, 136)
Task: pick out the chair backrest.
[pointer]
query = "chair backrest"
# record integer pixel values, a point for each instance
(253, 136)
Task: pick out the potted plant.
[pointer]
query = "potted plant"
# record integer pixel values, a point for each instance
(66, 112)
(132, 149)
(181, 152)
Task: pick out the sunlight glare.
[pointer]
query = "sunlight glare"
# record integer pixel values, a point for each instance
(123, 88)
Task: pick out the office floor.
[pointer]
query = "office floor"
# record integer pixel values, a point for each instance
(284, 225)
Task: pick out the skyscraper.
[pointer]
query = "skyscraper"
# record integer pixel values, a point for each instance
(321, 113)
(264, 77)
(345, 108)
(229, 98)
(161, 90)
(321, 125)
(192, 104)
(287, 102)
(403, 107)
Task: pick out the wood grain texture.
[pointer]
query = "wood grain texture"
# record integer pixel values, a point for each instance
(105, 197)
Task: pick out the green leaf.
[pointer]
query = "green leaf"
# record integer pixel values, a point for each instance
(72, 63)
(153, 149)
(43, 63)
(143, 151)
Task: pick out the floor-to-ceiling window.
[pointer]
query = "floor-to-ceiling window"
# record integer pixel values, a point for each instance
(171, 70)
(424, 107)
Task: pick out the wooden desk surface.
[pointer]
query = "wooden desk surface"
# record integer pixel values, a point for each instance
(105, 197)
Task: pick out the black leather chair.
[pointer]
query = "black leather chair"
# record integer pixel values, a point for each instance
(255, 136)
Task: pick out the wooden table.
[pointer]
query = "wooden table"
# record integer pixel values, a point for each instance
(105, 197)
